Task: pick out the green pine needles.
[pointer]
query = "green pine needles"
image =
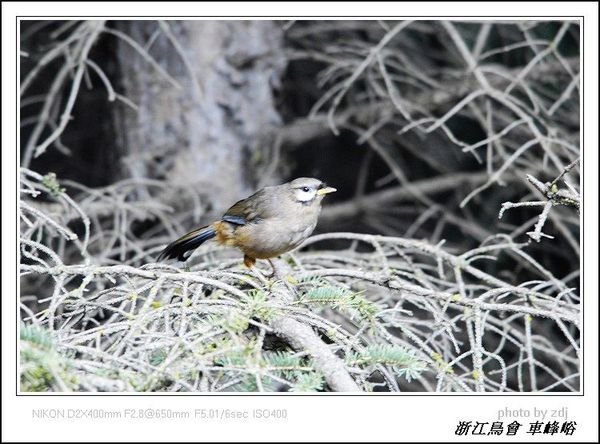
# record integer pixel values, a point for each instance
(42, 367)
(404, 362)
(339, 299)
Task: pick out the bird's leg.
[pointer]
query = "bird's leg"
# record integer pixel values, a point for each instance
(283, 273)
(249, 262)
(273, 270)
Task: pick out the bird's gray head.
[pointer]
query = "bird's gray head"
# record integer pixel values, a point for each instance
(307, 190)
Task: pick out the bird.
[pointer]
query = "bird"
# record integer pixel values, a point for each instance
(272, 221)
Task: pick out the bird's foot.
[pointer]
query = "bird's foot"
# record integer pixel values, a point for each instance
(275, 272)
(262, 277)
(282, 272)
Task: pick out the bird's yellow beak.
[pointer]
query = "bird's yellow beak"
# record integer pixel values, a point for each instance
(326, 190)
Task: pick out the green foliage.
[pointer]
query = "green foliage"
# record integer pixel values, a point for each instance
(257, 305)
(341, 299)
(284, 363)
(36, 336)
(158, 356)
(442, 364)
(249, 383)
(235, 358)
(51, 183)
(42, 367)
(404, 362)
(284, 369)
(309, 382)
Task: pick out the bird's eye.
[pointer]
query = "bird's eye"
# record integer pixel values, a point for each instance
(305, 189)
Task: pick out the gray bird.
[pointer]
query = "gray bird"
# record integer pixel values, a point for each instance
(272, 221)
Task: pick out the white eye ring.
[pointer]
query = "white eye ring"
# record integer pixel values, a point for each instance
(305, 194)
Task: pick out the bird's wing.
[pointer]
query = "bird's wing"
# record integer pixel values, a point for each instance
(251, 209)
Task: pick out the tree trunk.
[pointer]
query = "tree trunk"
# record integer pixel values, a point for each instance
(204, 126)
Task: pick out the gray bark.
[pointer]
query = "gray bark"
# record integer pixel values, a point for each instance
(301, 337)
(209, 133)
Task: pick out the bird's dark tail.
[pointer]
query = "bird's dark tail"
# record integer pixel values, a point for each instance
(179, 249)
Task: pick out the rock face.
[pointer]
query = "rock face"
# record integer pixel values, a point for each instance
(204, 126)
